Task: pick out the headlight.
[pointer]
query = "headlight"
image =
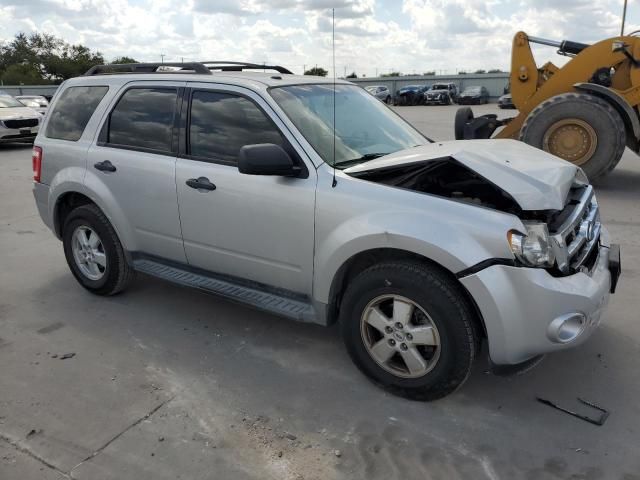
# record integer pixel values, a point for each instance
(533, 249)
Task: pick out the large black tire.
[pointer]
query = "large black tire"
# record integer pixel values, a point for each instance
(598, 114)
(117, 272)
(442, 299)
(463, 116)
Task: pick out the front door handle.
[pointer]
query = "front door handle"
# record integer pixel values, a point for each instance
(201, 183)
(105, 166)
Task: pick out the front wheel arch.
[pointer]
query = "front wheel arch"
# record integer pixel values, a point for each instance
(367, 258)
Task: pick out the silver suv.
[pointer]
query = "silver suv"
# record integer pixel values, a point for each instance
(237, 183)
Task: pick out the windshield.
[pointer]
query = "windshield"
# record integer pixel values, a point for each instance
(365, 128)
(9, 102)
(472, 90)
(440, 87)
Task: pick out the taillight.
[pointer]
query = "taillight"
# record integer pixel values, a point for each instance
(36, 161)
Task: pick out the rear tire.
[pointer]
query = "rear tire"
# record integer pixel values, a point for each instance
(463, 116)
(582, 129)
(87, 225)
(427, 364)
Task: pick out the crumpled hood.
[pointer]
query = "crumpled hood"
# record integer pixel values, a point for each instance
(12, 113)
(535, 179)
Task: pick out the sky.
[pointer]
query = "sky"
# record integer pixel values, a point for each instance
(372, 36)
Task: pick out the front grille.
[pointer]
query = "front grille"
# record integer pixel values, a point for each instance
(579, 232)
(21, 123)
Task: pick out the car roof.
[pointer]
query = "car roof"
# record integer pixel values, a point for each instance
(252, 80)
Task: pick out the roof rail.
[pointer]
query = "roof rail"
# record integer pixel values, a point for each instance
(240, 66)
(195, 67)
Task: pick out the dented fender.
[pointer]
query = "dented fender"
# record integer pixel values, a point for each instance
(358, 216)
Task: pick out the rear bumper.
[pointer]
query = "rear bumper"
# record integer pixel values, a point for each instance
(41, 196)
(523, 308)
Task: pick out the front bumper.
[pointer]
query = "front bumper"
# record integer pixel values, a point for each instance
(520, 305)
(18, 134)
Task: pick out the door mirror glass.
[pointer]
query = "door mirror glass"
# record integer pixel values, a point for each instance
(266, 159)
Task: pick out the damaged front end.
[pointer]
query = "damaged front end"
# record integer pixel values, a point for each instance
(557, 199)
(444, 177)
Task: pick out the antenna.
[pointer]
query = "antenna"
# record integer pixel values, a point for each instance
(333, 42)
(624, 17)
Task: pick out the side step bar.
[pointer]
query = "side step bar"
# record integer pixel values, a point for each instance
(271, 302)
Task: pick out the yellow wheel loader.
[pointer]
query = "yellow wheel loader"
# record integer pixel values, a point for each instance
(585, 112)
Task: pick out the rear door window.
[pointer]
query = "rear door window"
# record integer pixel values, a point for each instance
(72, 112)
(221, 124)
(143, 119)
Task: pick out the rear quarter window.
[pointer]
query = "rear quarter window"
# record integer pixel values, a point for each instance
(72, 112)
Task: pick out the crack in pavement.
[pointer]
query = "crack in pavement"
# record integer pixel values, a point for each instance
(22, 449)
(69, 475)
(118, 435)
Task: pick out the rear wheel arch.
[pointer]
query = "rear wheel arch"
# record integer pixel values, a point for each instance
(367, 258)
(65, 204)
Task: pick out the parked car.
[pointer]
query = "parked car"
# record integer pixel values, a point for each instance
(475, 95)
(506, 101)
(410, 95)
(37, 102)
(441, 94)
(17, 122)
(238, 184)
(381, 92)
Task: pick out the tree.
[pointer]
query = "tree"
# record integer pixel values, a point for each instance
(480, 71)
(52, 58)
(123, 60)
(429, 73)
(317, 71)
(352, 75)
(22, 74)
(495, 70)
(462, 72)
(391, 74)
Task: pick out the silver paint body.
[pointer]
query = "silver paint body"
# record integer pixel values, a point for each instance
(295, 234)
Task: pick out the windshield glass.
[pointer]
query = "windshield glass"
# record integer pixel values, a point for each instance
(472, 90)
(9, 102)
(439, 87)
(365, 128)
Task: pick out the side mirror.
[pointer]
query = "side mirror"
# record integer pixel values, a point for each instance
(266, 159)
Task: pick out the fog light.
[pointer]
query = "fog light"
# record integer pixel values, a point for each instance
(566, 328)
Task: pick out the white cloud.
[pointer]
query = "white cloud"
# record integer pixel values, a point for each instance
(371, 35)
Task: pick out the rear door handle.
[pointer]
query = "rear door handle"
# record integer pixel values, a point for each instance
(105, 166)
(201, 183)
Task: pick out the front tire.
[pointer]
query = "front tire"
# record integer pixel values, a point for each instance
(409, 328)
(94, 252)
(582, 129)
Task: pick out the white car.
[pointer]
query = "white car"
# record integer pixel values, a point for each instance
(37, 102)
(17, 122)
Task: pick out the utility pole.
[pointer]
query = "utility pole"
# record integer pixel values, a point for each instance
(162, 58)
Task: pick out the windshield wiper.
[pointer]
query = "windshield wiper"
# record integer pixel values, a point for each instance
(354, 161)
